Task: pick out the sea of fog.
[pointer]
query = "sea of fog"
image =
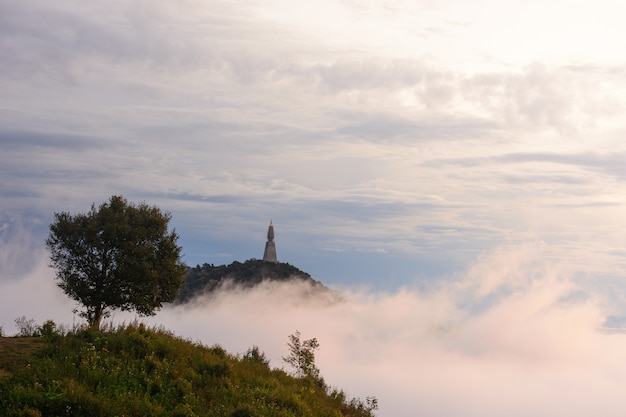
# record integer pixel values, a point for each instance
(512, 336)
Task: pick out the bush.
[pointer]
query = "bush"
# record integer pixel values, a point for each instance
(26, 327)
(48, 329)
(254, 355)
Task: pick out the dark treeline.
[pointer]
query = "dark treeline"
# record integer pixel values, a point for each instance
(207, 277)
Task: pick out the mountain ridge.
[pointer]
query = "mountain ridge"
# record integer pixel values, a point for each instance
(207, 278)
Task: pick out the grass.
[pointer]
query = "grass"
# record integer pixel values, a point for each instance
(133, 370)
(17, 352)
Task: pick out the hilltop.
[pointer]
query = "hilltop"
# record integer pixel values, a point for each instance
(137, 371)
(207, 278)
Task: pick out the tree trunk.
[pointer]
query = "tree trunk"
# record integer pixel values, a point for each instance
(96, 319)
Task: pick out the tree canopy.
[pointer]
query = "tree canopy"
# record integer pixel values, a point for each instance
(116, 256)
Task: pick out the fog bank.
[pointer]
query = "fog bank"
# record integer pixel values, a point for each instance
(514, 335)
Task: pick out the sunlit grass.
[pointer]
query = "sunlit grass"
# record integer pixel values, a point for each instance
(134, 370)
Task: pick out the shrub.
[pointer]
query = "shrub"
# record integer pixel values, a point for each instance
(254, 355)
(26, 327)
(48, 329)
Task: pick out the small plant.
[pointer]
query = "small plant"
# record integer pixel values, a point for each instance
(302, 356)
(364, 409)
(242, 412)
(30, 412)
(372, 403)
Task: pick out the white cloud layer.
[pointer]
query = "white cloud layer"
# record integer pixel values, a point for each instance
(515, 335)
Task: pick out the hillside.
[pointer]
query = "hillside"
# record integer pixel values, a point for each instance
(207, 277)
(137, 371)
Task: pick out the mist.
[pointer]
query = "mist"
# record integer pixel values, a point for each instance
(514, 335)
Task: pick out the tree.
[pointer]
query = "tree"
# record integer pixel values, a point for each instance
(302, 356)
(26, 327)
(116, 256)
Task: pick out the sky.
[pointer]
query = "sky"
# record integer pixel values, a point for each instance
(453, 168)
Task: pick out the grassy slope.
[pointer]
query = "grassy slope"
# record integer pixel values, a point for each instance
(136, 371)
(16, 353)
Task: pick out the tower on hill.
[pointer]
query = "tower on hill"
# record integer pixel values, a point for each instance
(270, 247)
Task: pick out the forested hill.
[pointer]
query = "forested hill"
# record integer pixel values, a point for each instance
(208, 277)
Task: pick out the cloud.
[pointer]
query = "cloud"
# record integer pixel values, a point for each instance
(515, 335)
(392, 143)
(30, 291)
(20, 246)
(407, 132)
(38, 141)
(518, 333)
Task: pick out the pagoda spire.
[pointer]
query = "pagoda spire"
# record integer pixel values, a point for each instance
(270, 247)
